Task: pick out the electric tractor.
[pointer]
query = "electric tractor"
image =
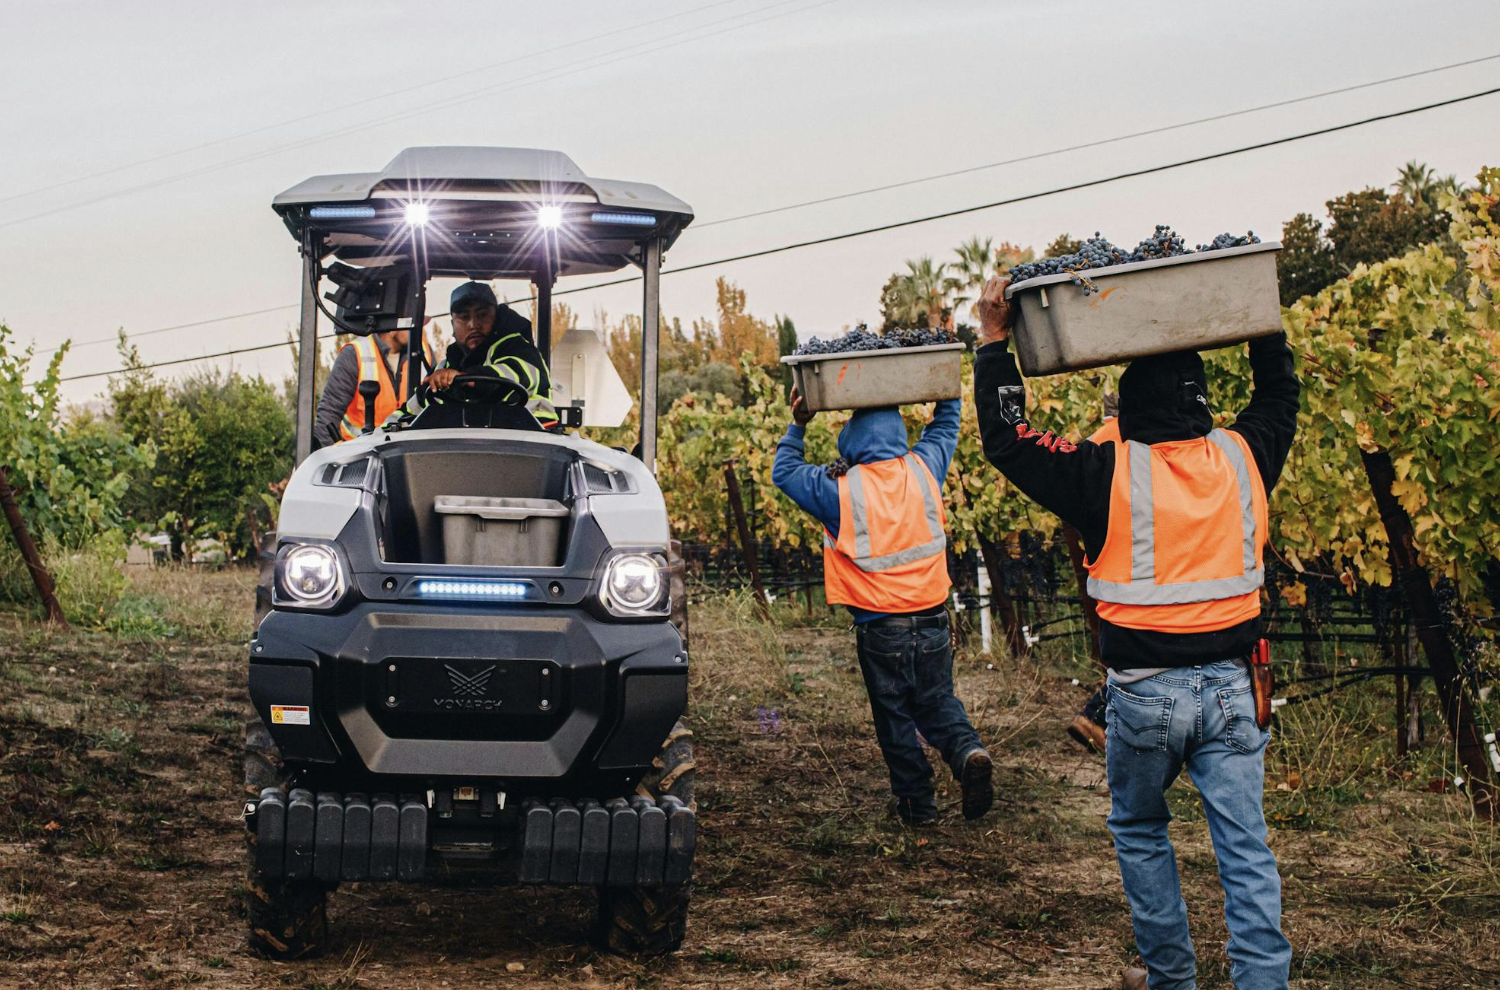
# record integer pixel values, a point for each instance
(473, 667)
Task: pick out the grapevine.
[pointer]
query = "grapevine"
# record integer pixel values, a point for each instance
(1422, 386)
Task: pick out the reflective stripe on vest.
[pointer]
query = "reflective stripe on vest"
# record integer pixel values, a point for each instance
(1142, 588)
(861, 523)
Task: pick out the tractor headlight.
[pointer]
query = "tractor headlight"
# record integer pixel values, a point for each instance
(635, 584)
(549, 217)
(309, 574)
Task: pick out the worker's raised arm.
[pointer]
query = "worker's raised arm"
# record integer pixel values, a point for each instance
(1269, 421)
(1069, 479)
(940, 438)
(806, 484)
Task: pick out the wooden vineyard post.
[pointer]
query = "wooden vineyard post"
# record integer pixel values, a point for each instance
(747, 548)
(39, 575)
(1458, 707)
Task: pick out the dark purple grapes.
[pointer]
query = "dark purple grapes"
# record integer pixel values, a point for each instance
(1098, 252)
(861, 339)
(837, 469)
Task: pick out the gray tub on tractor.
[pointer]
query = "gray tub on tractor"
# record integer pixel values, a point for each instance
(473, 663)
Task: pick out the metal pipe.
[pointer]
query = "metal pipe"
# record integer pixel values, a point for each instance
(650, 347)
(307, 346)
(545, 277)
(415, 352)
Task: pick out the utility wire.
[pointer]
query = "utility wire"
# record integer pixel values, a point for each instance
(357, 103)
(847, 235)
(622, 54)
(908, 182)
(1086, 184)
(1095, 144)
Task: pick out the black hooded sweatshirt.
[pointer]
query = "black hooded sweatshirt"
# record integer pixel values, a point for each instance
(1161, 400)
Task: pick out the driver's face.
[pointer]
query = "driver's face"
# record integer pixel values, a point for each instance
(472, 325)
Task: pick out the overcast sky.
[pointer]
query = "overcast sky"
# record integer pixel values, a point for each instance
(197, 114)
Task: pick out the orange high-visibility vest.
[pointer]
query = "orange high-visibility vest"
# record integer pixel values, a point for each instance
(1186, 536)
(1108, 433)
(372, 368)
(890, 555)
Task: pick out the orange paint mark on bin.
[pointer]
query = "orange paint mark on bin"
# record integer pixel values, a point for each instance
(1105, 294)
(842, 368)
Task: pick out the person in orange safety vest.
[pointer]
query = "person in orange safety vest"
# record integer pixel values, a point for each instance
(1172, 516)
(885, 559)
(379, 358)
(1088, 725)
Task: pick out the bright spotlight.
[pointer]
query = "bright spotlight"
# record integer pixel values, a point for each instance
(417, 214)
(549, 217)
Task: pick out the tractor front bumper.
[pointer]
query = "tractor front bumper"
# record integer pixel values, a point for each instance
(331, 837)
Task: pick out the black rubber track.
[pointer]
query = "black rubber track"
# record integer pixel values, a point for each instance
(652, 921)
(287, 920)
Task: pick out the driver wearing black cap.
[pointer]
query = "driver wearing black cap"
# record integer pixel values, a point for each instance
(493, 340)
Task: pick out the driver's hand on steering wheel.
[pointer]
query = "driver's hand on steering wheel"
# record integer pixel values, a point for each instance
(441, 378)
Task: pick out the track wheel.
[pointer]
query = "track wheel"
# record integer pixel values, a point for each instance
(652, 921)
(287, 919)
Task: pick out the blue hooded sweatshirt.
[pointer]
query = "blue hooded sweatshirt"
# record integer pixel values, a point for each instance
(870, 435)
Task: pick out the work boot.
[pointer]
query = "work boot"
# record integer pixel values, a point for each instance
(1089, 733)
(915, 812)
(1134, 978)
(979, 792)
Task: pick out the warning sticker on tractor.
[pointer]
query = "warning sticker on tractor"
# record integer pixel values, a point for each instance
(291, 715)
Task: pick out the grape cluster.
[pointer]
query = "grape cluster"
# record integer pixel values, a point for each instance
(837, 469)
(861, 339)
(1229, 240)
(1098, 252)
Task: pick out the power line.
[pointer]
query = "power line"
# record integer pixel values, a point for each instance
(1273, 142)
(847, 235)
(357, 103)
(176, 326)
(1095, 144)
(912, 182)
(622, 54)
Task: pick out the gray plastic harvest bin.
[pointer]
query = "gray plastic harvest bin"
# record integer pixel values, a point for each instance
(501, 532)
(865, 379)
(1193, 301)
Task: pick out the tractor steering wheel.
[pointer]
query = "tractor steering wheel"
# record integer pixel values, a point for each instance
(476, 389)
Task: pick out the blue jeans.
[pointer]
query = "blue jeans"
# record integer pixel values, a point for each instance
(909, 676)
(1202, 718)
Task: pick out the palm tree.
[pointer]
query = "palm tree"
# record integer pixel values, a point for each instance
(975, 265)
(1418, 184)
(925, 287)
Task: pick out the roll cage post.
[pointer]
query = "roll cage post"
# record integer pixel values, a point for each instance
(650, 347)
(307, 343)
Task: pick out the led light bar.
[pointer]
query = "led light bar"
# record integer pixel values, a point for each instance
(431, 588)
(627, 219)
(342, 213)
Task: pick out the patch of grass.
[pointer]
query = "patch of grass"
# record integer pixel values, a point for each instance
(216, 962)
(16, 908)
(141, 616)
(117, 740)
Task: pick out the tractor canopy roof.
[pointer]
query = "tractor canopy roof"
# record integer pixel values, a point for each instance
(482, 213)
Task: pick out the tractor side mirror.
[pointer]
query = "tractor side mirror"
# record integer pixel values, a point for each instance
(369, 390)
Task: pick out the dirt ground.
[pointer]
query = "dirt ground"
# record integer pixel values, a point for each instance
(121, 848)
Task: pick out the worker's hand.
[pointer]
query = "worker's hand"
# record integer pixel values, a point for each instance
(441, 378)
(800, 413)
(994, 311)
